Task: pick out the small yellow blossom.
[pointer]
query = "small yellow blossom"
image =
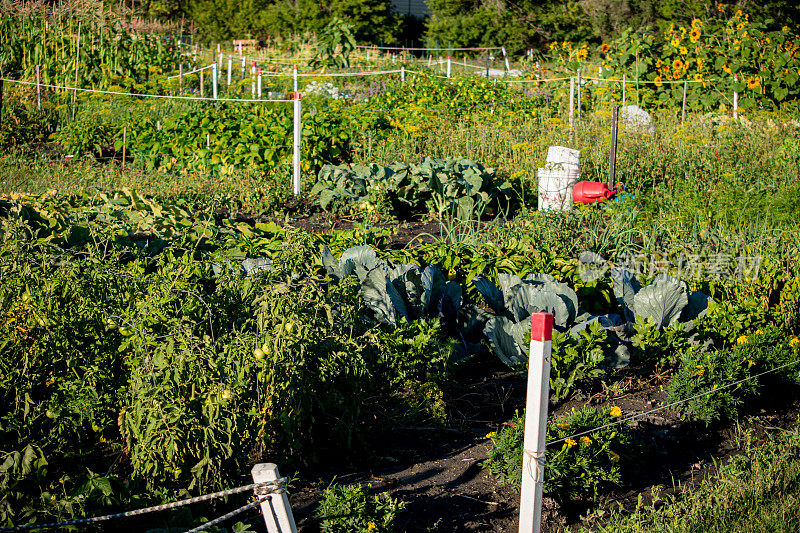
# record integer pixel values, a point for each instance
(562, 425)
(615, 411)
(742, 340)
(794, 341)
(586, 440)
(371, 526)
(491, 435)
(750, 363)
(570, 443)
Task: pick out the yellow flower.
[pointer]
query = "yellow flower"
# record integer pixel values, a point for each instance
(675, 43)
(677, 64)
(697, 24)
(491, 434)
(753, 83)
(750, 363)
(794, 341)
(683, 50)
(676, 75)
(742, 340)
(694, 35)
(582, 54)
(721, 7)
(700, 370)
(615, 411)
(451, 274)
(570, 443)
(371, 526)
(785, 29)
(759, 332)
(659, 63)
(683, 32)
(586, 440)
(700, 63)
(562, 425)
(727, 69)
(740, 26)
(658, 81)
(605, 48)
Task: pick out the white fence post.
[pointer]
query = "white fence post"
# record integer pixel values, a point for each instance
(259, 82)
(579, 96)
(253, 80)
(295, 78)
(735, 98)
(230, 69)
(624, 87)
(505, 58)
(276, 509)
(448, 66)
(38, 88)
(402, 74)
(296, 145)
(571, 105)
(533, 446)
(214, 79)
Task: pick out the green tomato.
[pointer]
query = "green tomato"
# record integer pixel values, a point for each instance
(51, 414)
(266, 348)
(226, 395)
(290, 328)
(259, 354)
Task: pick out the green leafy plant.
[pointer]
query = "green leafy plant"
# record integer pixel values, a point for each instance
(334, 45)
(351, 509)
(577, 466)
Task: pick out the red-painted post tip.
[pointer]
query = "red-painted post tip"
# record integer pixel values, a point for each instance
(541, 327)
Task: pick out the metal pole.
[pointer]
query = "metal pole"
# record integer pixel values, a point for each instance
(295, 78)
(448, 66)
(402, 74)
(533, 444)
(230, 68)
(579, 96)
(612, 160)
(571, 107)
(624, 80)
(735, 98)
(505, 58)
(214, 80)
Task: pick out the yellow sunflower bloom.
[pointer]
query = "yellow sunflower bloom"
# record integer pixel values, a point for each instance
(700, 63)
(697, 24)
(675, 42)
(659, 81)
(727, 69)
(794, 341)
(677, 64)
(659, 63)
(605, 48)
(683, 50)
(694, 36)
(753, 83)
(615, 412)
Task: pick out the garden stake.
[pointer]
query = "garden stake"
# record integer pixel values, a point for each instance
(623, 90)
(38, 89)
(612, 160)
(296, 144)
(683, 106)
(277, 512)
(202, 84)
(735, 98)
(124, 143)
(533, 444)
(579, 96)
(180, 79)
(571, 108)
(214, 80)
(448, 66)
(230, 68)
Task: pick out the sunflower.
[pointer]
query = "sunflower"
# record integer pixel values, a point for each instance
(677, 64)
(675, 42)
(740, 26)
(605, 48)
(697, 24)
(676, 75)
(754, 82)
(700, 63)
(727, 69)
(683, 50)
(694, 35)
(582, 54)
(658, 81)
(683, 32)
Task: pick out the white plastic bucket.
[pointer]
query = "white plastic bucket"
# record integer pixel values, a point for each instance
(558, 177)
(555, 188)
(562, 154)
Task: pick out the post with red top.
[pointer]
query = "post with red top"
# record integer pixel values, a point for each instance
(296, 145)
(735, 98)
(533, 446)
(449, 67)
(294, 70)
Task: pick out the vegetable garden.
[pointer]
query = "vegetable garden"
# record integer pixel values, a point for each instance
(173, 314)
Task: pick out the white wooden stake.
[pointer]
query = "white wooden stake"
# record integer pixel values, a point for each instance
(571, 105)
(253, 79)
(735, 98)
(368, 55)
(244, 64)
(295, 78)
(624, 80)
(220, 64)
(259, 83)
(240, 48)
(180, 78)
(533, 444)
(276, 509)
(214, 79)
(38, 89)
(579, 96)
(402, 74)
(505, 58)
(230, 69)
(296, 145)
(448, 66)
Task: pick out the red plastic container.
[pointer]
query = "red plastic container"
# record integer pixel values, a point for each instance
(589, 192)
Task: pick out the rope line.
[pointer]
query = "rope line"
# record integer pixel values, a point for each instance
(667, 406)
(188, 73)
(427, 49)
(168, 97)
(226, 516)
(277, 486)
